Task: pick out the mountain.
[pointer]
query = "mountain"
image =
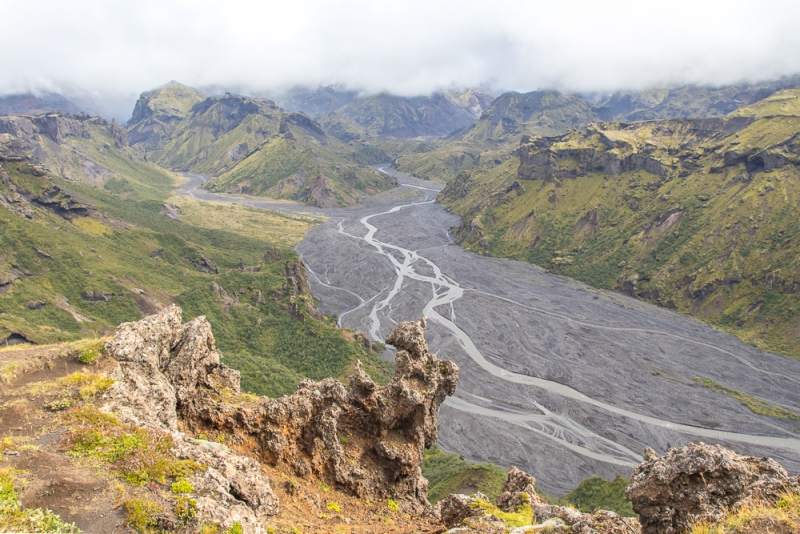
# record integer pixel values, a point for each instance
(692, 214)
(494, 136)
(158, 112)
(29, 103)
(251, 146)
(688, 101)
(315, 102)
(390, 116)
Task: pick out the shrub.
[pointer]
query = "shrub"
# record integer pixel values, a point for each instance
(185, 509)
(182, 486)
(90, 352)
(142, 514)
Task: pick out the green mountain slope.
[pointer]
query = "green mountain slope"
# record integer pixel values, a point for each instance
(697, 215)
(249, 145)
(80, 255)
(158, 112)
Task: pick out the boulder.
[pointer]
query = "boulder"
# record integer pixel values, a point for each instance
(700, 482)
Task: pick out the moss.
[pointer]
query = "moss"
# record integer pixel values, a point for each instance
(182, 486)
(522, 517)
(185, 509)
(334, 507)
(447, 474)
(393, 506)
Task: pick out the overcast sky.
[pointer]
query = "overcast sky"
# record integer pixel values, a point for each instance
(118, 49)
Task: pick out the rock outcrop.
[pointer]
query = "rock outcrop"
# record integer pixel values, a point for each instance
(473, 514)
(366, 439)
(701, 482)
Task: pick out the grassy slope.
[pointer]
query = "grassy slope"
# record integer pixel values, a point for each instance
(250, 143)
(272, 349)
(729, 229)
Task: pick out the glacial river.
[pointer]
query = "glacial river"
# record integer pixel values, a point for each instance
(558, 378)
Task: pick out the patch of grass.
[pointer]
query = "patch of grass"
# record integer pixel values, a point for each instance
(88, 351)
(334, 507)
(757, 517)
(143, 514)
(756, 405)
(15, 518)
(140, 455)
(236, 528)
(447, 474)
(522, 517)
(596, 493)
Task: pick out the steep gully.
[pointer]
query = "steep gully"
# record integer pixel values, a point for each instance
(558, 378)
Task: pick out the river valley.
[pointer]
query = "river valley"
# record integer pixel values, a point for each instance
(557, 378)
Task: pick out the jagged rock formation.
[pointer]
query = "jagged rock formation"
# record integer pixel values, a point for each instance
(519, 489)
(701, 482)
(367, 439)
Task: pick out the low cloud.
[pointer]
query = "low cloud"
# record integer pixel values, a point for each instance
(115, 50)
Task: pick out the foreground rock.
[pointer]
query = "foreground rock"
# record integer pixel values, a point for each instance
(366, 439)
(701, 482)
(473, 514)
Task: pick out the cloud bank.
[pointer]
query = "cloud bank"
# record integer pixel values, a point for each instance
(118, 49)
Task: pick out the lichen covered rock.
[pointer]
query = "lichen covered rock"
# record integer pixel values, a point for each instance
(366, 438)
(700, 482)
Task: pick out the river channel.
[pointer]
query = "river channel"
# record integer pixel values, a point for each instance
(557, 378)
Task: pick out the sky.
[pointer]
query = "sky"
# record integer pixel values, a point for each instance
(113, 50)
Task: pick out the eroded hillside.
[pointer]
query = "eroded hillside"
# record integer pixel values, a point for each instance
(696, 215)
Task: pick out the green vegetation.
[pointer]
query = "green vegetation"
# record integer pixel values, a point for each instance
(692, 226)
(15, 518)
(143, 514)
(447, 474)
(182, 486)
(756, 517)
(185, 509)
(596, 493)
(334, 507)
(756, 405)
(521, 517)
(145, 261)
(88, 352)
(139, 455)
(393, 506)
